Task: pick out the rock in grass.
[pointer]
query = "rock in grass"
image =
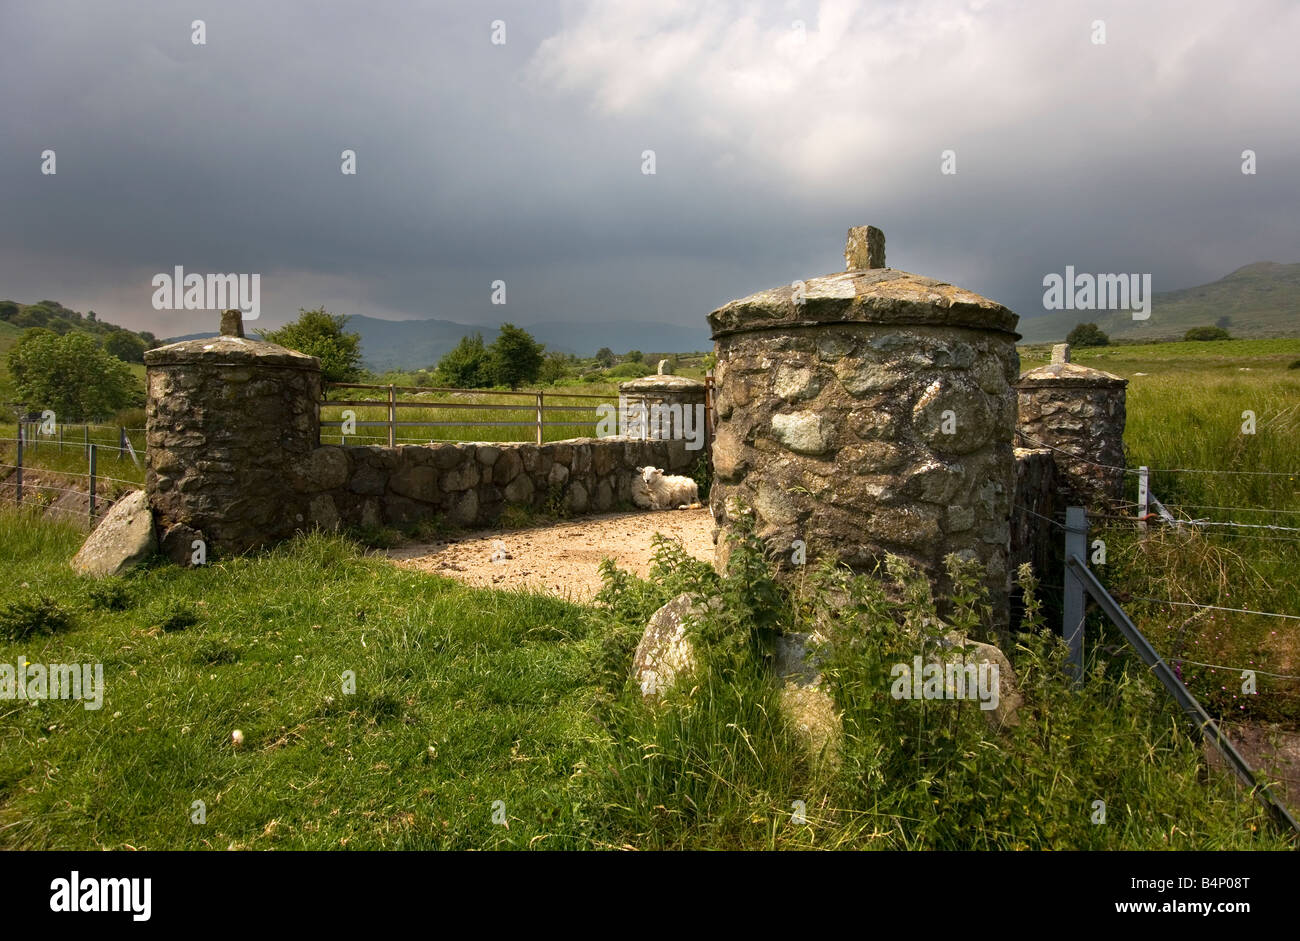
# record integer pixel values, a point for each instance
(665, 653)
(806, 706)
(123, 539)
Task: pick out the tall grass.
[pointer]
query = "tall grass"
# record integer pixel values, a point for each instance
(715, 766)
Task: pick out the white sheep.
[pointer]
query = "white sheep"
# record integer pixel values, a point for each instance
(666, 493)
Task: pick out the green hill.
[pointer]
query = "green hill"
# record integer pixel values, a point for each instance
(15, 317)
(1258, 300)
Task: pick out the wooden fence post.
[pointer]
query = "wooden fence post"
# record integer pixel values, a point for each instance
(541, 401)
(1076, 544)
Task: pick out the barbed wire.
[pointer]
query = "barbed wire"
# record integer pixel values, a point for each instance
(1069, 454)
(1215, 666)
(1243, 509)
(1215, 607)
(1045, 519)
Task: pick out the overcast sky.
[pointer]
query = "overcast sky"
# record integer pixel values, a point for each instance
(775, 126)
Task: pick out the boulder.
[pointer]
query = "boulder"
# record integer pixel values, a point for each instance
(665, 653)
(1007, 712)
(123, 539)
(806, 706)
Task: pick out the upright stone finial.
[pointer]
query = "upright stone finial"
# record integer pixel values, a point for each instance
(663, 364)
(1061, 353)
(865, 248)
(232, 323)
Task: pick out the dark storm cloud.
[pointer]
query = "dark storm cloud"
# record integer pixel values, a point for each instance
(523, 162)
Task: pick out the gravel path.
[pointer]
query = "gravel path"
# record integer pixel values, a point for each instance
(561, 558)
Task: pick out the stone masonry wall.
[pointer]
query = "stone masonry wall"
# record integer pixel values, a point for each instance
(224, 418)
(469, 484)
(836, 434)
(1084, 422)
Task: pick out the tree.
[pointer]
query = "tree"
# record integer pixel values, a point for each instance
(554, 368)
(1087, 334)
(604, 357)
(515, 356)
(125, 345)
(71, 376)
(319, 333)
(633, 356)
(467, 366)
(1206, 333)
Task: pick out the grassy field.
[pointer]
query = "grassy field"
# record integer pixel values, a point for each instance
(568, 413)
(466, 697)
(1185, 404)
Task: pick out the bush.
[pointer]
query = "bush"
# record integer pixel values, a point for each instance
(173, 616)
(1087, 334)
(71, 376)
(627, 371)
(466, 366)
(24, 619)
(110, 595)
(319, 333)
(125, 345)
(515, 356)
(714, 764)
(1206, 333)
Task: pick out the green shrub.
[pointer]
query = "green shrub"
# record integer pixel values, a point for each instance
(171, 616)
(111, 594)
(1206, 333)
(26, 618)
(1087, 334)
(714, 765)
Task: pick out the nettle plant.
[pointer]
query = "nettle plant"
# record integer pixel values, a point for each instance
(714, 762)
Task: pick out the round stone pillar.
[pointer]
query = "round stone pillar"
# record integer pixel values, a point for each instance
(680, 401)
(868, 412)
(225, 418)
(1078, 412)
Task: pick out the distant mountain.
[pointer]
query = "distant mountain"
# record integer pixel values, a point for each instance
(1259, 300)
(412, 344)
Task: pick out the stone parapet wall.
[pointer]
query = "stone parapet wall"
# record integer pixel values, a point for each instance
(470, 484)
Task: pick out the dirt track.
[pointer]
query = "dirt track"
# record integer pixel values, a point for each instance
(561, 558)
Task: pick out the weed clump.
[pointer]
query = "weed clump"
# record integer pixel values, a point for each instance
(25, 618)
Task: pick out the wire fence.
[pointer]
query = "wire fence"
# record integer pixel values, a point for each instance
(31, 481)
(1148, 509)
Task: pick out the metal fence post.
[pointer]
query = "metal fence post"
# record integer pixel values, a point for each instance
(92, 482)
(540, 420)
(1144, 496)
(18, 474)
(121, 441)
(1076, 545)
(392, 417)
